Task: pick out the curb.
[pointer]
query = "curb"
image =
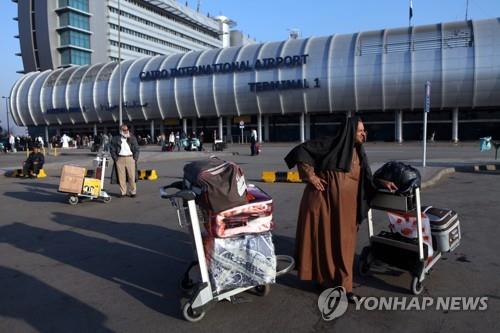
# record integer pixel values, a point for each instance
(437, 177)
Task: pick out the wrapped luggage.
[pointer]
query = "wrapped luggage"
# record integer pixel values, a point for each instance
(404, 176)
(254, 217)
(244, 261)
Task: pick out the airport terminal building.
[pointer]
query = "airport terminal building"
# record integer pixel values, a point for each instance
(290, 90)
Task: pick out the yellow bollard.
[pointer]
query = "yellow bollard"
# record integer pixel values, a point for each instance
(41, 174)
(153, 175)
(268, 176)
(293, 177)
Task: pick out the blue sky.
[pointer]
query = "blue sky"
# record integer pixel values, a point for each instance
(268, 20)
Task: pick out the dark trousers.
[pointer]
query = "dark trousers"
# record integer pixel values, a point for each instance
(253, 148)
(31, 166)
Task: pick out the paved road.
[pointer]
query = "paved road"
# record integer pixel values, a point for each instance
(116, 267)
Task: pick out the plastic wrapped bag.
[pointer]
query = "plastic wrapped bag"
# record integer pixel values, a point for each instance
(406, 226)
(240, 262)
(404, 176)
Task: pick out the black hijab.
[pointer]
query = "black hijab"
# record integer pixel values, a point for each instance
(335, 153)
(328, 153)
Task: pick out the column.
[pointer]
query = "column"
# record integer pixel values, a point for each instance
(266, 128)
(229, 135)
(193, 124)
(454, 132)
(185, 125)
(152, 130)
(302, 127)
(259, 127)
(162, 127)
(95, 129)
(349, 114)
(221, 129)
(398, 126)
(47, 135)
(58, 131)
(308, 126)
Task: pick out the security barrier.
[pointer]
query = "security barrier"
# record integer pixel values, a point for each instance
(281, 177)
(19, 173)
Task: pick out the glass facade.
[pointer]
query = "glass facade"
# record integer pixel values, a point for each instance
(82, 5)
(75, 38)
(74, 57)
(73, 19)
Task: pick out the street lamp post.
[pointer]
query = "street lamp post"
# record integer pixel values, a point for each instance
(7, 111)
(120, 67)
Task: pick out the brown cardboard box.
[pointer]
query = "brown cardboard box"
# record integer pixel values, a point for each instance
(72, 179)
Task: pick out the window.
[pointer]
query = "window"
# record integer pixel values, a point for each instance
(76, 20)
(82, 5)
(75, 57)
(75, 38)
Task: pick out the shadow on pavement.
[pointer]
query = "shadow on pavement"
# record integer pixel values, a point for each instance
(65, 313)
(150, 277)
(147, 236)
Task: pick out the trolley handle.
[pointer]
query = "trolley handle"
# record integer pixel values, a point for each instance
(186, 195)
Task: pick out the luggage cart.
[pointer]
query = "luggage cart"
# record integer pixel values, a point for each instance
(100, 164)
(395, 250)
(202, 293)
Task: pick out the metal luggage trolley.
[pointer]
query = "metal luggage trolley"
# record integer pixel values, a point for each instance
(94, 191)
(395, 250)
(202, 292)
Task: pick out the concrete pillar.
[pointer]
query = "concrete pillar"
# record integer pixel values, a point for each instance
(454, 131)
(162, 127)
(398, 126)
(58, 131)
(193, 124)
(95, 129)
(266, 128)
(349, 114)
(152, 130)
(185, 125)
(259, 128)
(308, 127)
(221, 129)
(302, 127)
(229, 135)
(47, 134)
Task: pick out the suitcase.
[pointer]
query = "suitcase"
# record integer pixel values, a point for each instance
(219, 185)
(252, 218)
(445, 228)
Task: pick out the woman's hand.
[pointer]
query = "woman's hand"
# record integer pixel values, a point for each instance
(318, 183)
(388, 185)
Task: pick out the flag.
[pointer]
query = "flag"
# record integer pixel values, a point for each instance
(411, 9)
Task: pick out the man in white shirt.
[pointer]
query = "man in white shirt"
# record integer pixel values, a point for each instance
(124, 150)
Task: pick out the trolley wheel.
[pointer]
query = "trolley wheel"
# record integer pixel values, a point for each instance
(262, 290)
(106, 199)
(187, 284)
(73, 200)
(284, 264)
(365, 262)
(188, 314)
(416, 286)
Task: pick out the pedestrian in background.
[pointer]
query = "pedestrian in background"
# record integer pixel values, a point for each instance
(124, 150)
(253, 142)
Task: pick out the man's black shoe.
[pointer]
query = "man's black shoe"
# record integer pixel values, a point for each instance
(122, 195)
(133, 195)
